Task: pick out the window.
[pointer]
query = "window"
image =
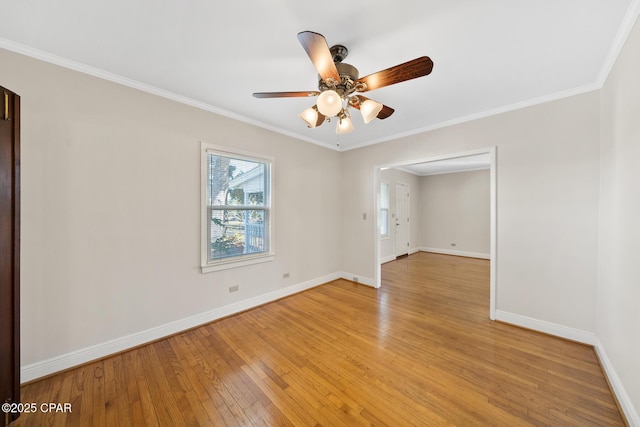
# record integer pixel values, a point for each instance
(237, 212)
(384, 209)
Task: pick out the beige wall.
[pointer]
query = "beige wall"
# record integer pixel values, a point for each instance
(618, 308)
(547, 203)
(111, 211)
(455, 208)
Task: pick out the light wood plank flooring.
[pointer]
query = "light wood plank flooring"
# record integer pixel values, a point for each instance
(419, 351)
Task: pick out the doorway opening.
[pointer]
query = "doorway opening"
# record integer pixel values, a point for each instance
(447, 163)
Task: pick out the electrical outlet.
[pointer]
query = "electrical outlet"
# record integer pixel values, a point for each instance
(285, 275)
(234, 288)
(364, 215)
(453, 244)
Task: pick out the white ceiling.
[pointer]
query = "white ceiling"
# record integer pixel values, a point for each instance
(489, 56)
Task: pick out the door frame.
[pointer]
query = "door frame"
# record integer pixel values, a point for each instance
(10, 112)
(493, 261)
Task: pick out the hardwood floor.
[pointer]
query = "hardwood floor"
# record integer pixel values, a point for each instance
(418, 351)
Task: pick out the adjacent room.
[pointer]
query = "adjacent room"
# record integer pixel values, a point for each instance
(278, 214)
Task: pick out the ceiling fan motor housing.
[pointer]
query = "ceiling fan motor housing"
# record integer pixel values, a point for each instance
(348, 75)
(338, 53)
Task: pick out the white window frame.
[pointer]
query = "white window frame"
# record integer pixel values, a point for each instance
(245, 259)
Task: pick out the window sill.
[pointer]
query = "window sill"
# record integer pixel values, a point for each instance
(234, 263)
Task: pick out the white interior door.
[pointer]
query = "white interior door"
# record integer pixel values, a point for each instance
(402, 219)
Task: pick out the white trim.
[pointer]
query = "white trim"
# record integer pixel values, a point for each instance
(629, 20)
(435, 158)
(483, 114)
(547, 327)
(457, 253)
(387, 259)
(235, 263)
(625, 28)
(358, 279)
(621, 37)
(624, 400)
(377, 274)
(134, 84)
(471, 169)
(98, 351)
(115, 78)
(631, 16)
(493, 232)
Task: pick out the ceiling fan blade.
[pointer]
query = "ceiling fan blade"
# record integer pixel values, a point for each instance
(316, 47)
(383, 114)
(285, 94)
(321, 119)
(409, 70)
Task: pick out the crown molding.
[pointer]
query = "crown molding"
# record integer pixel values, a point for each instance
(624, 30)
(134, 84)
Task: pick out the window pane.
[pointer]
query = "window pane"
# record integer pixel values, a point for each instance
(384, 209)
(234, 232)
(384, 222)
(384, 195)
(236, 181)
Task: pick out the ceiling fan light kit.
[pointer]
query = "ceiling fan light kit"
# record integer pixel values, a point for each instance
(310, 116)
(344, 124)
(329, 103)
(370, 110)
(339, 81)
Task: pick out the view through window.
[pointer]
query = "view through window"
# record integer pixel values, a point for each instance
(384, 209)
(238, 206)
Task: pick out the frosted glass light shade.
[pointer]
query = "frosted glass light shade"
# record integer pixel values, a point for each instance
(344, 126)
(370, 110)
(310, 117)
(329, 103)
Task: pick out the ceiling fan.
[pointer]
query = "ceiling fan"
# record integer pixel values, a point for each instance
(340, 82)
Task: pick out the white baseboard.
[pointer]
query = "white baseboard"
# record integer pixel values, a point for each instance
(457, 253)
(79, 357)
(357, 278)
(619, 391)
(387, 259)
(584, 337)
(547, 327)
(390, 258)
(98, 351)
